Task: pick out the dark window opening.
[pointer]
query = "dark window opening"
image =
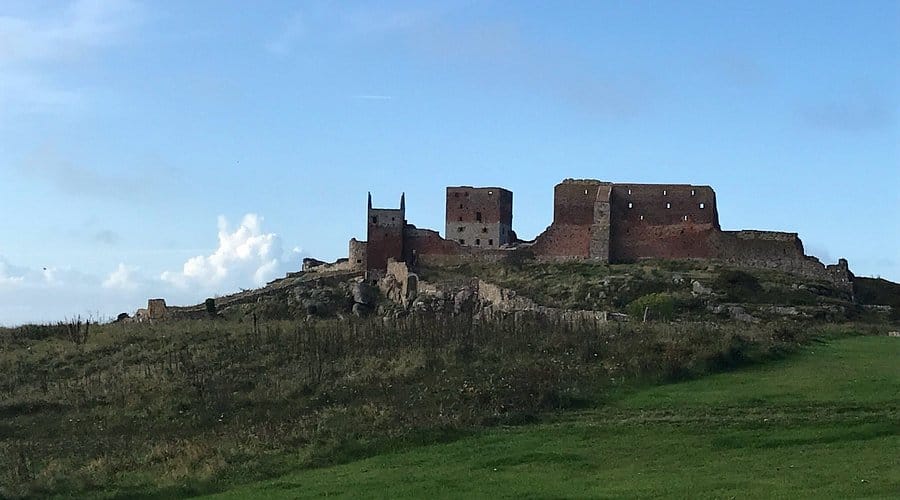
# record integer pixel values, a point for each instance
(393, 219)
(359, 261)
(375, 219)
(477, 241)
(460, 218)
(460, 229)
(462, 242)
(490, 242)
(460, 205)
(484, 230)
(478, 216)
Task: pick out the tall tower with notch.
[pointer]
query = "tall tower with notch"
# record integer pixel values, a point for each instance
(384, 234)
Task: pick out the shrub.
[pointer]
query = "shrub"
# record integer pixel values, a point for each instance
(657, 305)
(738, 286)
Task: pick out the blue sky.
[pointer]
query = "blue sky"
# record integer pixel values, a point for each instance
(186, 149)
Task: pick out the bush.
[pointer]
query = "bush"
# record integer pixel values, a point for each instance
(738, 286)
(658, 306)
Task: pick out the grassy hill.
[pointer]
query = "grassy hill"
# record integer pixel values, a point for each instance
(188, 407)
(823, 424)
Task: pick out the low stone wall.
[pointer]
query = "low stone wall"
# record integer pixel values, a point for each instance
(504, 300)
(317, 266)
(781, 252)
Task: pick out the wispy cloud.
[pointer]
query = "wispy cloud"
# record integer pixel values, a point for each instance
(282, 43)
(106, 236)
(33, 51)
(70, 177)
(337, 22)
(858, 112)
(495, 51)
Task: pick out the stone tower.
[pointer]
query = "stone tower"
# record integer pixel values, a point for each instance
(479, 216)
(384, 234)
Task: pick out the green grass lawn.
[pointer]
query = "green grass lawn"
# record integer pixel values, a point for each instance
(822, 424)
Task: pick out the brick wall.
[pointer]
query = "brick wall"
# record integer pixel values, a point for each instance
(479, 216)
(384, 237)
(581, 222)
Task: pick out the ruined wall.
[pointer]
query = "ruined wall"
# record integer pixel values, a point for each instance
(479, 217)
(357, 254)
(496, 299)
(563, 242)
(581, 222)
(419, 242)
(425, 246)
(779, 251)
(661, 221)
(683, 241)
(156, 309)
(317, 266)
(399, 284)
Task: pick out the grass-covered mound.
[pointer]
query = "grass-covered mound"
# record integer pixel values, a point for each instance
(194, 406)
(824, 424)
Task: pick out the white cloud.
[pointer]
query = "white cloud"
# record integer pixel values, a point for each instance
(10, 275)
(52, 293)
(123, 278)
(245, 257)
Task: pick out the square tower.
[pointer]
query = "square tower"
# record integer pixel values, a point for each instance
(384, 235)
(479, 217)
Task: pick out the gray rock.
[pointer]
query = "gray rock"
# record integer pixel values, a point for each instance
(785, 311)
(739, 314)
(363, 293)
(360, 309)
(698, 289)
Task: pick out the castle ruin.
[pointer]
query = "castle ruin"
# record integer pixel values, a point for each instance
(592, 220)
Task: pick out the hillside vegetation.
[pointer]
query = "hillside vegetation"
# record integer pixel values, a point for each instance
(823, 424)
(177, 408)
